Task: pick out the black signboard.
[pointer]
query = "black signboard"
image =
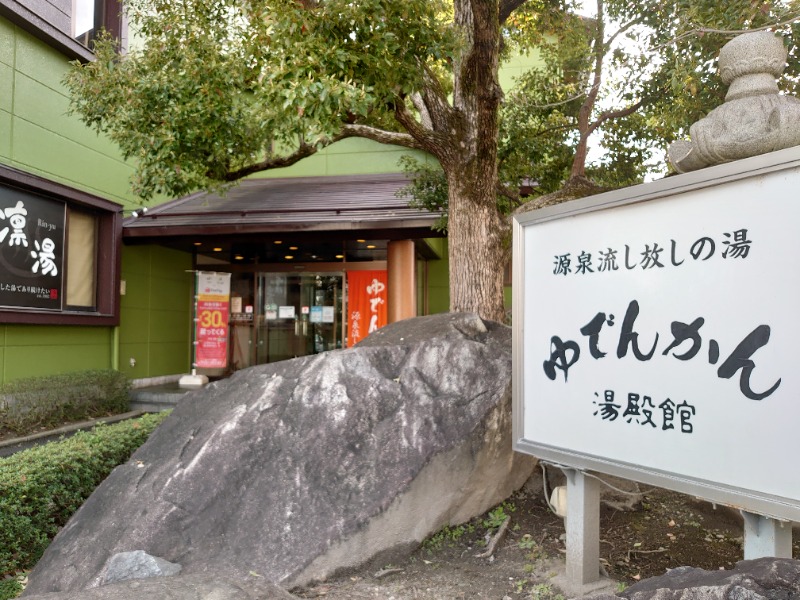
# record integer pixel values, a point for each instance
(31, 250)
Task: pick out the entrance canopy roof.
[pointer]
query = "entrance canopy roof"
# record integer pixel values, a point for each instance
(356, 203)
(327, 217)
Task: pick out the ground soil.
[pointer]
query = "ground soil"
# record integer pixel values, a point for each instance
(661, 530)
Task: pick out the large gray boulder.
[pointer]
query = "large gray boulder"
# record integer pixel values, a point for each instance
(182, 587)
(297, 469)
(760, 579)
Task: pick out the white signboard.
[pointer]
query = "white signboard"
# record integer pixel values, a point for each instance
(656, 331)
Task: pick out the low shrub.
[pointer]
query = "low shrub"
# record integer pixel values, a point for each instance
(10, 588)
(42, 487)
(26, 404)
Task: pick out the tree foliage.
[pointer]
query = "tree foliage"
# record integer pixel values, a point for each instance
(223, 89)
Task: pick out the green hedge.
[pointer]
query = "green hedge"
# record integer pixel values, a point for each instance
(26, 404)
(42, 487)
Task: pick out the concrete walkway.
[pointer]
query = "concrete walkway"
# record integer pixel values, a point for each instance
(146, 396)
(9, 447)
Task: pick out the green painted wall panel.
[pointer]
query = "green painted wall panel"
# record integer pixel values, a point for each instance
(6, 42)
(6, 87)
(355, 163)
(156, 316)
(44, 335)
(139, 352)
(169, 358)
(5, 135)
(136, 259)
(29, 361)
(39, 61)
(37, 148)
(36, 103)
(135, 327)
(137, 290)
(172, 294)
(46, 141)
(170, 327)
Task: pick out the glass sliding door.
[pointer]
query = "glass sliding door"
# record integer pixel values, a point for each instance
(298, 314)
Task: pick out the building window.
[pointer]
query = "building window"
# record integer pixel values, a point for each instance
(90, 16)
(81, 260)
(59, 253)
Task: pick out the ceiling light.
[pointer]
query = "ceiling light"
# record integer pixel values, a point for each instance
(288, 257)
(292, 247)
(217, 249)
(239, 257)
(371, 247)
(361, 241)
(340, 256)
(198, 243)
(278, 242)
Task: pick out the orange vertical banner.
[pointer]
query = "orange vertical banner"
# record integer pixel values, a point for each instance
(366, 304)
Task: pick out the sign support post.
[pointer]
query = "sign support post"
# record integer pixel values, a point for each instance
(582, 528)
(766, 537)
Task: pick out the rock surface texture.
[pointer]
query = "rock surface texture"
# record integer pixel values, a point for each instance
(760, 579)
(188, 587)
(294, 470)
(755, 118)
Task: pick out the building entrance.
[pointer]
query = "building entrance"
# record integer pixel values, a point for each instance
(276, 316)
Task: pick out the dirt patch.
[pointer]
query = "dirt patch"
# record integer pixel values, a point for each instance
(662, 531)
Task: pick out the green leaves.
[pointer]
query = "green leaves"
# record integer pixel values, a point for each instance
(41, 488)
(214, 87)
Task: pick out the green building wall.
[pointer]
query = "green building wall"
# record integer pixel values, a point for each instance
(37, 136)
(155, 331)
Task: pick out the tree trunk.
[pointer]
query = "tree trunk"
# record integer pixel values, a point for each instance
(478, 247)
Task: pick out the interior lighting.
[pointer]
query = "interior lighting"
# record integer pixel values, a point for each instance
(198, 243)
(217, 249)
(340, 256)
(288, 257)
(239, 257)
(278, 241)
(293, 248)
(361, 241)
(370, 247)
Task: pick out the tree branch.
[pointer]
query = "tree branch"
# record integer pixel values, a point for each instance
(507, 7)
(435, 100)
(699, 31)
(276, 162)
(422, 109)
(381, 135)
(615, 114)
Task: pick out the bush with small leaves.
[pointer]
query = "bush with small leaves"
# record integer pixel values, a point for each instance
(42, 487)
(26, 404)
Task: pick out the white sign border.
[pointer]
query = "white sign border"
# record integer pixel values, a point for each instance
(749, 500)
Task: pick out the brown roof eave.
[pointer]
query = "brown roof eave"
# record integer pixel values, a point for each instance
(161, 231)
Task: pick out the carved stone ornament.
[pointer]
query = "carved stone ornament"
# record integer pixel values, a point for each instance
(754, 119)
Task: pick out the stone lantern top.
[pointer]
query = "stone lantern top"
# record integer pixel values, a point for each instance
(749, 64)
(754, 119)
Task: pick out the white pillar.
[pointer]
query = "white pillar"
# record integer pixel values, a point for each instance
(765, 537)
(583, 528)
